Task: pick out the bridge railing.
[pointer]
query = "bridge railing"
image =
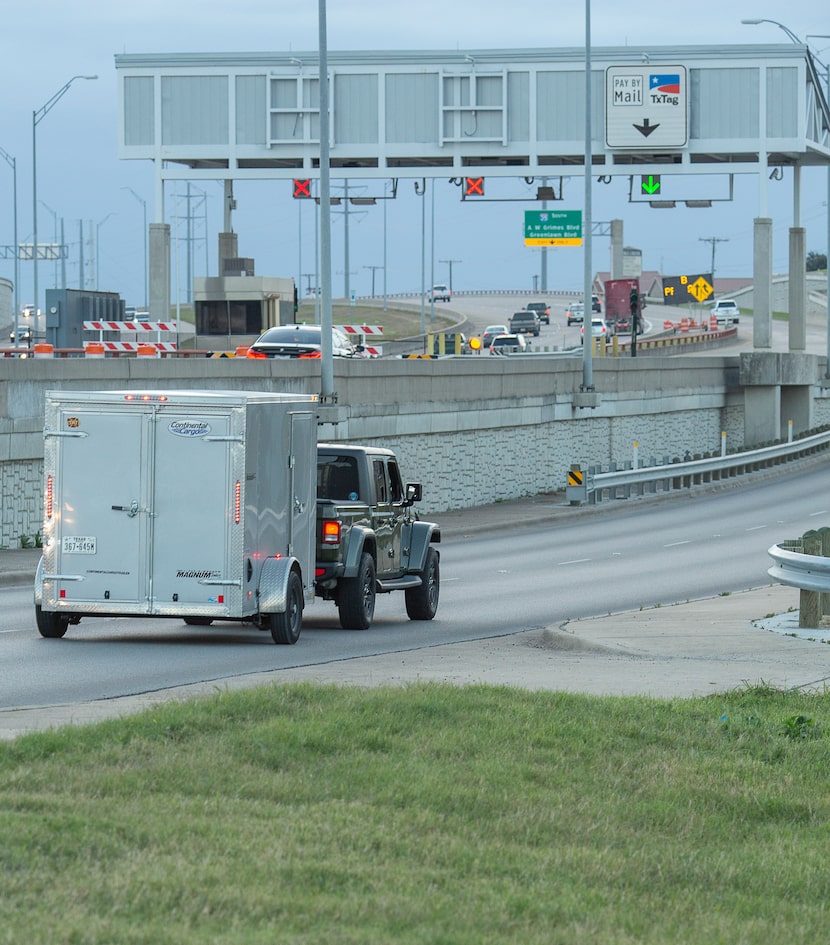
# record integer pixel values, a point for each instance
(689, 472)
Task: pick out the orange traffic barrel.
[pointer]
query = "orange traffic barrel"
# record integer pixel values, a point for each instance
(43, 350)
(242, 351)
(94, 349)
(147, 351)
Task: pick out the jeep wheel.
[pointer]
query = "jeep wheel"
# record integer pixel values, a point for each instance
(356, 602)
(285, 627)
(422, 602)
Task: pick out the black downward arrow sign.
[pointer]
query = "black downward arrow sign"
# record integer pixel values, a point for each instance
(646, 128)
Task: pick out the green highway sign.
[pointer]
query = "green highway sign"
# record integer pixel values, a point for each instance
(650, 184)
(553, 227)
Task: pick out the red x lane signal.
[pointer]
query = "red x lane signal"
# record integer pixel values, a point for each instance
(302, 188)
(474, 187)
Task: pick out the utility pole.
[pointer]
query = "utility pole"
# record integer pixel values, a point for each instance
(449, 262)
(374, 270)
(714, 240)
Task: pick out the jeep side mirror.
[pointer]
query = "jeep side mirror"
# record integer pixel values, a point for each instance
(413, 492)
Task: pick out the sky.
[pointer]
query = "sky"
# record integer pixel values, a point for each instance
(81, 178)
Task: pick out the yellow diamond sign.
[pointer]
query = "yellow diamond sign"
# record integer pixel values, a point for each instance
(700, 289)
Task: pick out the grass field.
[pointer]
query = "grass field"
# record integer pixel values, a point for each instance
(428, 814)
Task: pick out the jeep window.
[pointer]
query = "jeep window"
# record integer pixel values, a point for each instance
(381, 485)
(395, 482)
(337, 478)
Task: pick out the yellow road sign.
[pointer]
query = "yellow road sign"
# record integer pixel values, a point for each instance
(700, 289)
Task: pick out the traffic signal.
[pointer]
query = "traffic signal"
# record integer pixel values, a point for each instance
(473, 186)
(296, 301)
(302, 188)
(633, 302)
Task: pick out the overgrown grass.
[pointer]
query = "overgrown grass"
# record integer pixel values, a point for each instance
(429, 814)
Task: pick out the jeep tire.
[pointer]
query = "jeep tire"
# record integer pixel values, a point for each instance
(356, 600)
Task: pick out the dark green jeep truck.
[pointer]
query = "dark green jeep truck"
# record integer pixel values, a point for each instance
(369, 539)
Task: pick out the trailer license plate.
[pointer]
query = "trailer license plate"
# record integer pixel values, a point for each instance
(78, 545)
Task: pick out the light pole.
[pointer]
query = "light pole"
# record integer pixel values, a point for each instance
(98, 226)
(143, 203)
(789, 32)
(12, 162)
(55, 237)
(37, 117)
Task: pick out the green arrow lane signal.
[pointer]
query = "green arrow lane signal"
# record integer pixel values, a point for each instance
(651, 184)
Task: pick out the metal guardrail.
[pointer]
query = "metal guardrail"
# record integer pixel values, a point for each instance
(810, 572)
(684, 474)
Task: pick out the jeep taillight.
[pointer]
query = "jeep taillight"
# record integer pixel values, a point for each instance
(331, 532)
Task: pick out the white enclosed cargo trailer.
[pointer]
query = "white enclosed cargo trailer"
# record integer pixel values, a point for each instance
(197, 505)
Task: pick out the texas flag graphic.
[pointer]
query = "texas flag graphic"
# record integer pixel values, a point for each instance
(668, 84)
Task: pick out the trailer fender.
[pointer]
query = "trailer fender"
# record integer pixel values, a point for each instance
(273, 583)
(360, 539)
(39, 582)
(421, 536)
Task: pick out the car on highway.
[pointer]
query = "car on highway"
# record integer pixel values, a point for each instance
(726, 311)
(596, 304)
(440, 293)
(542, 310)
(525, 322)
(508, 344)
(299, 341)
(490, 333)
(575, 314)
(598, 329)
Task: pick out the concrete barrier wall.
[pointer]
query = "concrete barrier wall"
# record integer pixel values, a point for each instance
(474, 430)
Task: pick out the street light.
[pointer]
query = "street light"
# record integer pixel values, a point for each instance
(143, 203)
(12, 162)
(55, 236)
(37, 118)
(98, 226)
(787, 30)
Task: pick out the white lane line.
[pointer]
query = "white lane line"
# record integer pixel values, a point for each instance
(822, 512)
(756, 528)
(577, 561)
(674, 544)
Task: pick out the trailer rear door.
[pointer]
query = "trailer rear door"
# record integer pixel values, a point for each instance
(193, 502)
(101, 534)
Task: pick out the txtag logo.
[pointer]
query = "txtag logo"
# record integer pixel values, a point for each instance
(664, 88)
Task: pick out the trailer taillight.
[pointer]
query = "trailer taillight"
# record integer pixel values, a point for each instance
(331, 533)
(50, 494)
(237, 503)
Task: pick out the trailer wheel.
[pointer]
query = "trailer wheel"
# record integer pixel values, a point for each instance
(285, 627)
(356, 602)
(198, 621)
(50, 624)
(422, 602)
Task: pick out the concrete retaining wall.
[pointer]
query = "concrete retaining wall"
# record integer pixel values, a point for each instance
(475, 430)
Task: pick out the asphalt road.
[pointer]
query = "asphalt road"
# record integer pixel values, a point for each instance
(519, 577)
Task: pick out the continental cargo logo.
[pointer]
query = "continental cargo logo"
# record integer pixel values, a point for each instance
(189, 427)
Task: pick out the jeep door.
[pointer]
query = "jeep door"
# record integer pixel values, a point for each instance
(389, 515)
